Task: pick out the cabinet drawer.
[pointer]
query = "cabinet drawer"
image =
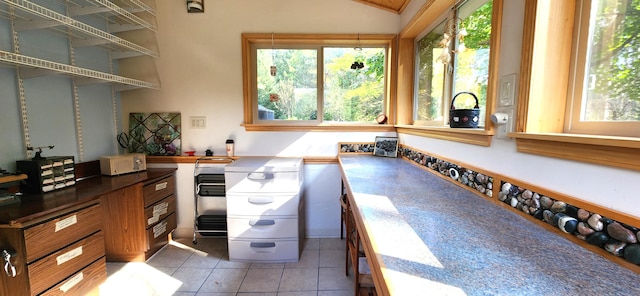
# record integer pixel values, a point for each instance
(264, 250)
(57, 233)
(262, 182)
(50, 270)
(157, 234)
(81, 282)
(158, 190)
(262, 227)
(160, 210)
(260, 205)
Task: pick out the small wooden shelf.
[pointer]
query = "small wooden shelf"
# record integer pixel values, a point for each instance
(12, 178)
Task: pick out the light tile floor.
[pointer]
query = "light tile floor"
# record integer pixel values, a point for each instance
(184, 269)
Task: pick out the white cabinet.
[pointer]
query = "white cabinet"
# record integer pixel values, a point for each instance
(265, 209)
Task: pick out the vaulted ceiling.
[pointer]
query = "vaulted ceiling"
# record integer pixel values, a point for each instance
(396, 6)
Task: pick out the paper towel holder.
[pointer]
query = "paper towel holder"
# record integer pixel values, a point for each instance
(195, 6)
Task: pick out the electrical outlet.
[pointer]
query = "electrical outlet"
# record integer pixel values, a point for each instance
(198, 122)
(502, 130)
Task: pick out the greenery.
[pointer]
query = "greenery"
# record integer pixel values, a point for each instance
(470, 67)
(349, 95)
(613, 85)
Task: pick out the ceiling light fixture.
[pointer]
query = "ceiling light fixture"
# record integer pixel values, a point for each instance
(195, 6)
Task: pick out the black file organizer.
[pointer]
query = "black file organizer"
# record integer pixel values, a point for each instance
(208, 185)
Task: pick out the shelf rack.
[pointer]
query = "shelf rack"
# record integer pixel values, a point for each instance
(59, 68)
(118, 16)
(50, 18)
(104, 6)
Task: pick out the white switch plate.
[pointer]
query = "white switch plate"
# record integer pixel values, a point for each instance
(507, 90)
(198, 121)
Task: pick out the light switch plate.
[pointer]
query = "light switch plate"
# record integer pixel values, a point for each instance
(198, 121)
(507, 90)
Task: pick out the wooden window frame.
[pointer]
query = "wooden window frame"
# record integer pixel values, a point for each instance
(429, 12)
(388, 40)
(541, 111)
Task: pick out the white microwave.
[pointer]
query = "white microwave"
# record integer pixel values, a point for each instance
(122, 164)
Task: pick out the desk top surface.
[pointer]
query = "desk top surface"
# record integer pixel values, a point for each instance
(432, 237)
(36, 206)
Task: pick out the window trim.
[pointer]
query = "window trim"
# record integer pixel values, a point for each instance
(430, 11)
(540, 130)
(387, 40)
(573, 122)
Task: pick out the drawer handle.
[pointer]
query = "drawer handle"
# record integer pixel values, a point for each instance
(262, 245)
(260, 200)
(8, 267)
(262, 222)
(260, 176)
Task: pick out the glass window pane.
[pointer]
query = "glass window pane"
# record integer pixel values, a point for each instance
(471, 68)
(430, 75)
(353, 84)
(290, 94)
(611, 86)
(453, 58)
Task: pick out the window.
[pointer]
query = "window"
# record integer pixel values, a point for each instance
(605, 97)
(316, 80)
(564, 92)
(453, 57)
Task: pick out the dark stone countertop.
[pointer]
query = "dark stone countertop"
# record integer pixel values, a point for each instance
(432, 237)
(35, 207)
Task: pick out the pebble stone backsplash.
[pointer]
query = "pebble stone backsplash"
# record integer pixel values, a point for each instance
(617, 238)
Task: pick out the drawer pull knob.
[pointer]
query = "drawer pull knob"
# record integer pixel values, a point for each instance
(260, 200)
(260, 176)
(262, 222)
(8, 267)
(263, 245)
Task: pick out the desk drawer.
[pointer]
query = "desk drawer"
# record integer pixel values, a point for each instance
(262, 227)
(158, 190)
(160, 210)
(262, 182)
(262, 204)
(59, 232)
(81, 282)
(264, 250)
(50, 270)
(157, 234)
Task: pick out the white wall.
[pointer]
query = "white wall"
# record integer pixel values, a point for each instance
(201, 75)
(602, 185)
(200, 70)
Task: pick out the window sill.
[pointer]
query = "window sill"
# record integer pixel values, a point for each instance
(319, 128)
(474, 136)
(620, 152)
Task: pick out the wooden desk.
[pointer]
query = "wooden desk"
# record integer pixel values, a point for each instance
(424, 235)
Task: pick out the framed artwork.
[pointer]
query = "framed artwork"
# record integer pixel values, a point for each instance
(386, 146)
(155, 133)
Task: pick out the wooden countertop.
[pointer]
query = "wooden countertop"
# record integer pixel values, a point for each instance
(424, 235)
(36, 207)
